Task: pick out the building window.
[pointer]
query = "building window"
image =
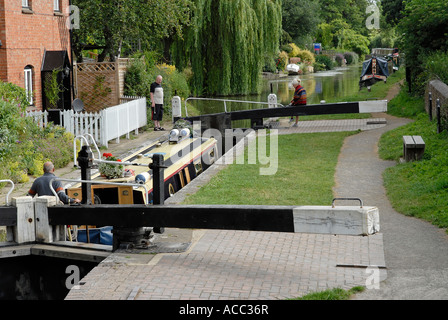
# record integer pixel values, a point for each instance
(56, 6)
(28, 72)
(26, 4)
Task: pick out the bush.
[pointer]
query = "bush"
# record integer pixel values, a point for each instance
(351, 57)
(339, 59)
(323, 62)
(140, 76)
(24, 146)
(295, 50)
(435, 66)
(307, 56)
(282, 60)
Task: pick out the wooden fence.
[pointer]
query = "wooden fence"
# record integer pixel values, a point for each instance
(107, 124)
(100, 84)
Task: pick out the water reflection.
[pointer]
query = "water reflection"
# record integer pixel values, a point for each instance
(324, 85)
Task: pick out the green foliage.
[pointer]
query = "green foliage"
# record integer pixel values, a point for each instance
(351, 57)
(355, 42)
(136, 81)
(300, 18)
(332, 294)
(24, 146)
(228, 44)
(434, 66)
(140, 75)
(425, 29)
(405, 105)
(323, 62)
(13, 93)
(115, 24)
(424, 181)
(53, 88)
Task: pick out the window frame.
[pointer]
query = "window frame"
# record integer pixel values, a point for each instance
(56, 6)
(28, 78)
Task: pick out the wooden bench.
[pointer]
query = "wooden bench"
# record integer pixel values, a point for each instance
(413, 148)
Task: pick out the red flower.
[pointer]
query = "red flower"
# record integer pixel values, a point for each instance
(107, 155)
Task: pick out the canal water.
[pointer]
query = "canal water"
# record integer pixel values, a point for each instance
(322, 85)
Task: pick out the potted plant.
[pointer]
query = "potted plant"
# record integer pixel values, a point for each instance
(108, 170)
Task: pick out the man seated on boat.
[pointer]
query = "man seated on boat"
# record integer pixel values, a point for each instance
(299, 97)
(41, 186)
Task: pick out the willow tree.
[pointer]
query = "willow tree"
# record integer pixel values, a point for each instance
(227, 43)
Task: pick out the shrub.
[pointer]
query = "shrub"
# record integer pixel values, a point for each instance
(323, 61)
(339, 59)
(307, 56)
(282, 60)
(351, 57)
(295, 50)
(24, 146)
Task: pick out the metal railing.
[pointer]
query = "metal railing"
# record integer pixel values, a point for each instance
(228, 100)
(83, 137)
(10, 190)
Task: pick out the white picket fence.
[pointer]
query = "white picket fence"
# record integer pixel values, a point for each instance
(110, 123)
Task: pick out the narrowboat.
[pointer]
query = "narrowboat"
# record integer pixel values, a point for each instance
(186, 155)
(373, 70)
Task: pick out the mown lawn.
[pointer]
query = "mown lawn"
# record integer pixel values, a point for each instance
(305, 175)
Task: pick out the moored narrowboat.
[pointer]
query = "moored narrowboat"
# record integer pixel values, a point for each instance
(185, 155)
(373, 70)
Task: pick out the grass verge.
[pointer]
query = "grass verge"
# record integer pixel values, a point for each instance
(420, 188)
(305, 175)
(332, 294)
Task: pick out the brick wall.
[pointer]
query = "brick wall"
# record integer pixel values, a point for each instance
(25, 35)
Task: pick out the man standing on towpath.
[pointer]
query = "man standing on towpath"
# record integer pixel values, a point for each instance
(156, 93)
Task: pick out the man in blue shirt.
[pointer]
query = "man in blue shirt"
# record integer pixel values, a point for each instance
(41, 186)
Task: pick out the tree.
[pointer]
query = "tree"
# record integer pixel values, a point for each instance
(425, 30)
(227, 43)
(392, 10)
(300, 18)
(109, 25)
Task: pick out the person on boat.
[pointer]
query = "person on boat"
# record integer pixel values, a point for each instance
(41, 186)
(156, 93)
(299, 97)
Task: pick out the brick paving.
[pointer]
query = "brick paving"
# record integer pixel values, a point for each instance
(227, 264)
(240, 265)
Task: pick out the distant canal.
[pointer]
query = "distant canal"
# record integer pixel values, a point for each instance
(323, 85)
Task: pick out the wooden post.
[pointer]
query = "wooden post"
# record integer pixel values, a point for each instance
(44, 231)
(24, 231)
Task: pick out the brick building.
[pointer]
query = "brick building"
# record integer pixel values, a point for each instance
(34, 42)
